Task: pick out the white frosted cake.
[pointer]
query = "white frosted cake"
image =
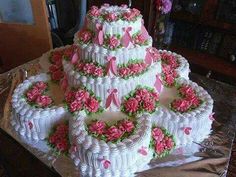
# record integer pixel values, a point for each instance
(128, 101)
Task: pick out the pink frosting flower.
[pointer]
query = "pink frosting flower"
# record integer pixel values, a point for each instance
(70, 96)
(111, 17)
(124, 72)
(139, 39)
(97, 127)
(57, 75)
(126, 125)
(194, 100)
(169, 143)
(113, 133)
(169, 79)
(181, 105)
(131, 105)
(88, 68)
(149, 105)
(186, 91)
(157, 134)
(41, 85)
(33, 94)
(62, 145)
(80, 66)
(170, 60)
(69, 51)
(154, 53)
(56, 57)
(75, 106)
(155, 96)
(94, 11)
(142, 93)
(136, 68)
(92, 105)
(85, 36)
(53, 68)
(135, 11)
(81, 95)
(98, 71)
(43, 100)
(159, 148)
(113, 42)
(62, 130)
(129, 16)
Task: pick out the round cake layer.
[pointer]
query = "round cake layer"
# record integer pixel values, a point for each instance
(188, 127)
(183, 69)
(31, 122)
(98, 54)
(111, 25)
(101, 85)
(90, 154)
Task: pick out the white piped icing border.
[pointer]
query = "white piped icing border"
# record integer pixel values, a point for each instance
(98, 54)
(122, 156)
(183, 70)
(198, 119)
(34, 123)
(101, 85)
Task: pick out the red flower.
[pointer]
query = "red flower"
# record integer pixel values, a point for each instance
(169, 143)
(149, 105)
(81, 95)
(111, 17)
(169, 79)
(53, 68)
(32, 94)
(92, 105)
(181, 105)
(80, 66)
(159, 148)
(129, 16)
(126, 125)
(113, 42)
(113, 133)
(70, 96)
(98, 71)
(123, 72)
(155, 96)
(43, 100)
(57, 75)
(143, 94)
(97, 127)
(75, 106)
(186, 91)
(56, 57)
(41, 85)
(131, 105)
(139, 39)
(62, 130)
(62, 145)
(194, 100)
(88, 68)
(94, 11)
(136, 68)
(157, 135)
(85, 36)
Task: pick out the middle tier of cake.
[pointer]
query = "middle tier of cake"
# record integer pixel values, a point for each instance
(105, 86)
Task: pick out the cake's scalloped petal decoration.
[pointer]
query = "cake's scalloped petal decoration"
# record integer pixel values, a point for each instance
(112, 97)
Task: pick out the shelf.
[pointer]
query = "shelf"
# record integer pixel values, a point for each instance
(188, 17)
(207, 61)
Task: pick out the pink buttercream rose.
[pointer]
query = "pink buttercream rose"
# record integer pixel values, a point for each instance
(149, 105)
(97, 127)
(169, 143)
(139, 39)
(113, 42)
(186, 91)
(57, 75)
(85, 36)
(124, 72)
(88, 68)
(62, 130)
(53, 68)
(111, 17)
(92, 105)
(94, 11)
(41, 85)
(43, 100)
(142, 93)
(80, 66)
(98, 71)
(33, 93)
(136, 68)
(126, 125)
(62, 145)
(75, 106)
(155, 96)
(181, 105)
(157, 134)
(135, 11)
(81, 95)
(131, 105)
(193, 100)
(159, 148)
(113, 133)
(56, 57)
(70, 96)
(169, 79)
(129, 16)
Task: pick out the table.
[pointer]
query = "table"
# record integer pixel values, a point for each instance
(19, 162)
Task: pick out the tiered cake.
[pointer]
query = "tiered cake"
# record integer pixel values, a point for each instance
(129, 101)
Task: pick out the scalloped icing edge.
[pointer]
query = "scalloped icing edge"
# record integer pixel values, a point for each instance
(23, 113)
(90, 149)
(197, 119)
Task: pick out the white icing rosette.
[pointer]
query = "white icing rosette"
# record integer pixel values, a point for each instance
(97, 158)
(101, 85)
(188, 127)
(31, 122)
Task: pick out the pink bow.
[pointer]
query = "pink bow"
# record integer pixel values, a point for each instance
(148, 57)
(127, 38)
(158, 84)
(112, 97)
(99, 34)
(111, 66)
(75, 58)
(143, 151)
(187, 130)
(144, 31)
(211, 116)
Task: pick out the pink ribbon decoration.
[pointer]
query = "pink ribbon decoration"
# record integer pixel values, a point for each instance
(30, 124)
(64, 83)
(111, 66)
(211, 116)
(75, 58)
(158, 84)
(144, 31)
(112, 97)
(187, 130)
(143, 151)
(127, 38)
(148, 58)
(99, 38)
